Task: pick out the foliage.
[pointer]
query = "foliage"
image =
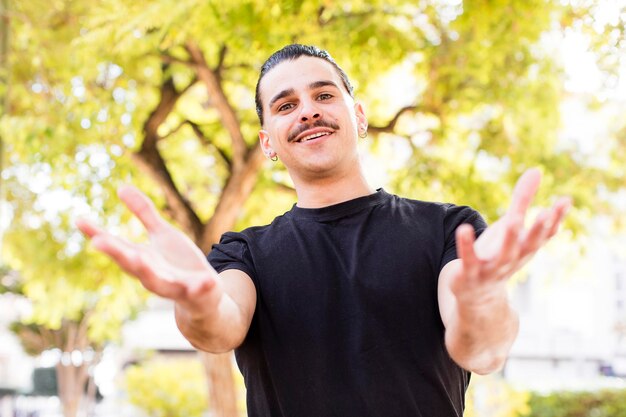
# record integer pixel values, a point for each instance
(604, 403)
(485, 103)
(78, 302)
(88, 77)
(167, 388)
(490, 110)
(491, 396)
(61, 285)
(161, 94)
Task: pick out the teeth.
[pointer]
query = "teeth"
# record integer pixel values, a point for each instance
(313, 136)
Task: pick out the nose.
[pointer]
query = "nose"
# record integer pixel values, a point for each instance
(310, 112)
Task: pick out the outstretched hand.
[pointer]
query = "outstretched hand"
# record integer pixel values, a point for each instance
(170, 265)
(504, 247)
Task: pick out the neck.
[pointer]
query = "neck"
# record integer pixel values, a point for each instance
(327, 191)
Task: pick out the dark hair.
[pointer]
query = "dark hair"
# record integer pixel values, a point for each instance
(292, 52)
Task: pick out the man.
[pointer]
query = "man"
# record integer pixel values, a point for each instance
(354, 302)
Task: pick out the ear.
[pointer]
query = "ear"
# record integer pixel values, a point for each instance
(361, 119)
(266, 146)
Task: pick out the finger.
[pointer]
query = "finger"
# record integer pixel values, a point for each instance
(134, 260)
(561, 207)
(545, 226)
(158, 280)
(141, 206)
(524, 192)
(87, 227)
(465, 238)
(538, 228)
(510, 247)
(158, 277)
(537, 233)
(124, 253)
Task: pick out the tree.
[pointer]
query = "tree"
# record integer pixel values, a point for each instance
(490, 109)
(75, 311)
(175, 68)
(162, 92)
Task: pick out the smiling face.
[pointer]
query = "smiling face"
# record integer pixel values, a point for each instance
(310, 121)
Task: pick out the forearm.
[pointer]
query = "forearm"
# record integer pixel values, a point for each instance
(479, 335)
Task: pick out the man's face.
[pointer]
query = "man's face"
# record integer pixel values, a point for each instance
(310, 121)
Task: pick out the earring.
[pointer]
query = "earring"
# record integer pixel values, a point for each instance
(363, 133)
(272, 156)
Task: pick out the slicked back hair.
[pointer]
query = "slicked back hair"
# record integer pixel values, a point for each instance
(293, 52)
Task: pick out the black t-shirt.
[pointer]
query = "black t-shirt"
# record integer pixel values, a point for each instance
(347, 321)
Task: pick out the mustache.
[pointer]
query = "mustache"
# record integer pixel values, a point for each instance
(317, 123)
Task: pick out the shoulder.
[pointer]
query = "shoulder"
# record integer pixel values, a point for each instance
(456, 215)
(438, 214)
(236, 250)
(432, 209)
(252, 234)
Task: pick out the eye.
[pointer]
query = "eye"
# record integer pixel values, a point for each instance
(324, 96)
(285, 106)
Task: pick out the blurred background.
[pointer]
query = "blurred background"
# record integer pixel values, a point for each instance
(462, 97)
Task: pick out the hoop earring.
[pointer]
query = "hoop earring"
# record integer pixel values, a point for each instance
(363, 134)
(274, 158)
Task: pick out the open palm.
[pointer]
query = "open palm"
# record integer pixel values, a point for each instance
(506, 245)
(170, 264)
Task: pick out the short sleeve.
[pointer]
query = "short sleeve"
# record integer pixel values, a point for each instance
(454, 217)
(232, 252)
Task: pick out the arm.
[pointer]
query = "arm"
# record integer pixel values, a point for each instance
(226, 324)
(213, 311)
(480, 324)
(479, 332)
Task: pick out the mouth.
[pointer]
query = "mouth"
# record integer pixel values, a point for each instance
(312, 136)
(317, 130)
(312, 133)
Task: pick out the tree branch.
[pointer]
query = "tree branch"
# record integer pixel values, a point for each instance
(174, 131)
(82, 339)
(206, 141)
(284, 187)
(227, 113)
(388, 128)
(169, 96)
(240, 65)
(168, 59)
(235, 192)
(151, 160)
(220, 62)
(348, 15)
(72, 330)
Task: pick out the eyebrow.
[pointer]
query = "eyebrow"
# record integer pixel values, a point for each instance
(322, 83)
(312, 86)
(280, 95)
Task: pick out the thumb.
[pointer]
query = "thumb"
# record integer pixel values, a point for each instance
(87, 227)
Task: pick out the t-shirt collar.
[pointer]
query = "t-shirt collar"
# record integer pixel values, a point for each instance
(342, 209)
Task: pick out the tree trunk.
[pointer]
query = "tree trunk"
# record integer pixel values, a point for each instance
(73, 373)
(71, 382)
(222, 390)
(244, 169)
(234, 195)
